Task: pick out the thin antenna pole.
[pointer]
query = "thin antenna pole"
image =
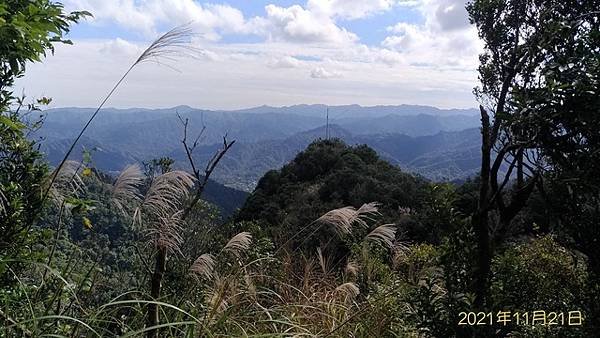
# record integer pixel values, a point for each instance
(327, 126)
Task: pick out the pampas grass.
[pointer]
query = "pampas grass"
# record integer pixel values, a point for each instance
(323, 262)
(238, 243)
(168, 46)
(126, 187)
(168, 192)
(172, 44)
(349, 290)
(67, 181)
(203, 266)
(383, 235)
(343, 219)
(165, 232)
(351, 268)
(162, 209)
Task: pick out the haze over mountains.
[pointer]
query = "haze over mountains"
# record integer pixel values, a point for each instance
(436, 143)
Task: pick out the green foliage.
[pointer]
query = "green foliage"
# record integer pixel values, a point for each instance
(326, 176)
(540, 275)
(28, 30)
(22, 174)
(83, 268)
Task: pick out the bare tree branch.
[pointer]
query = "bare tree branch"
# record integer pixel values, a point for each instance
(210, 166)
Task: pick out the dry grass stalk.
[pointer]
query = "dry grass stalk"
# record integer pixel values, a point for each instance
(204, 266)
(238, 243)
(126, 186)
(348, 290)
(343, 219)
(216, 297)
(323, 262)
(168, 192)
(351, 268)
(383, 234)
(250, 286)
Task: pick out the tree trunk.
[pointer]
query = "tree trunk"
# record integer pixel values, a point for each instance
(157, 276)
(479, 220)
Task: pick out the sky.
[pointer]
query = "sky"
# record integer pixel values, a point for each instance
(254, 52)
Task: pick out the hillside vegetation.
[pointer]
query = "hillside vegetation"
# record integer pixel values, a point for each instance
(335, 239)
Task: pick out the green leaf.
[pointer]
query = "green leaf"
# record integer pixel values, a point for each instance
(11, 124)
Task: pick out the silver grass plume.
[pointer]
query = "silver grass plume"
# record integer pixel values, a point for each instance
(216, 296)
(168, 192)
(162, 206)
(348, 290)
(172, 44)
(323, 261)
(238, 243)
(383, 234)
(165, 231)
(168, 46)
(400, 252)
(343, 219)
(203, 266)
(369, 209)
(126, 186)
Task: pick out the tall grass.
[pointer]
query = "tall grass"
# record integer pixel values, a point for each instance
(173, 43)
(232, 292)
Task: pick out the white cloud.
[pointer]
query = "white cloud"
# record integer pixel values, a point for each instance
(445, 39)
(431, 63)
(350, 9)
(313, 23)
(119, 46)
(296, 24)
(80, 75)
(146, 16)
(322, 73)
(445, 15)
(389, 57)
(284, 62)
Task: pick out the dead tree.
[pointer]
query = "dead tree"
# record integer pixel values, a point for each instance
(202, 179)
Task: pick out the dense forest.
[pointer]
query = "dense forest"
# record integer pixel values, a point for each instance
(336, 243)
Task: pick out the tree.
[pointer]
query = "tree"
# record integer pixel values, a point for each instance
(198, 182)
(533, 50)
(21, 175)
(28, 30)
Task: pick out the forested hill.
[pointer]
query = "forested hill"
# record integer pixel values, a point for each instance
(329, 175)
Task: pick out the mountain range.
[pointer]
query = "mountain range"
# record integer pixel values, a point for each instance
(439, 144)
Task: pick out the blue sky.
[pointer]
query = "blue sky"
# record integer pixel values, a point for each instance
(253, 52)
(371, 29)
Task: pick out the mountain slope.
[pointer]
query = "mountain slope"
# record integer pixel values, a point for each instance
(425, 140)
(444, 156)
(328, 175)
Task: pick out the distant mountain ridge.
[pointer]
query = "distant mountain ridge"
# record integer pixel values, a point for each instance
(441, 144)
